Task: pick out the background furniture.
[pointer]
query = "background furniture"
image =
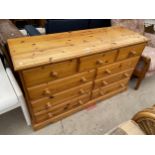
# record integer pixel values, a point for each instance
(74, 70)
(20, 23)
(31, 30)
(7, 31)
(11, 96)
(146, 65)
(64, 25)
(143, 123)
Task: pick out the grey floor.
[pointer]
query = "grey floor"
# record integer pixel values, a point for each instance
(95, 120)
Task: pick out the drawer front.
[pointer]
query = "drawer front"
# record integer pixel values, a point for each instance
(96, 60)
(58, 98)
(60, 85)
(49, 72)
(117, 67)
(131, 51)
(59, 109)
(112, 79)
(109, 89)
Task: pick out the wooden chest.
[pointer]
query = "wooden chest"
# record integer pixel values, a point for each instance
(67, 72)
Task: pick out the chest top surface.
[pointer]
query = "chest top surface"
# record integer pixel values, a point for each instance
(28, 52)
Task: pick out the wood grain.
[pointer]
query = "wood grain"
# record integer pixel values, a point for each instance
(28, 52)
(67, 72)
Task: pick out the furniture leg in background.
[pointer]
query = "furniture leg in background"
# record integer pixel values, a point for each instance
(141, 69)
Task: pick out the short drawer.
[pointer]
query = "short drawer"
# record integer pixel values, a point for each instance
(59, 109)
(109, 89)
(59, 85)
(96, 60)
(49, 72)
(131, 51)
(103, 82)
(117, 67)
(52, 100)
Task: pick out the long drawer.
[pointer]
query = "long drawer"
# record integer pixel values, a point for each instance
(106, 71)
(58, 98)
(110, 88)
(49, 72)
(97, 60)
(61, 108)
(60, 85)
(130, 51)
(103, 82)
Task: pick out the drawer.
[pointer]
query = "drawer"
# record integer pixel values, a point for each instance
(96, 60)
(59, 109)
(112, 79)
(117, 67)
(59, 85)
(110, 88)
(131, 51)
(52, 100)
(50, 72)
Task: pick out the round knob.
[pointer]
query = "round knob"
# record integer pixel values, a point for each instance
(133, 52)
(55, 74)
(48, 105)
(100, 62)
(126, 74)
(108, 71)
(82, 91)
(50, 115)
(80, 102)
(83, 79)
(47, 92)
(66, 107)
(122, 85)
(104, 83)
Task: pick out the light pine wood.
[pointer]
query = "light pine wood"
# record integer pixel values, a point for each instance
(49, 72)
(109, 70)
(97, 60)
(28, 52)
(76, 91)
(131, 51)
(69, 103)
(72, 111)
(103, 82)
(102, 91)
(61, 108)
(61, 84)
(73, 70)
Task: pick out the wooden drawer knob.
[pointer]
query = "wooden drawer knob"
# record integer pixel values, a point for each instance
(122, 85)
(80, 102)
(108, 71)
(66, 107)
(50, 115)
(83, 79)
(47, 92)
(126, 74)
(55, 74)
(104, 83)
(100, 62)
(48, 105)
(82, 91)
(133, 53)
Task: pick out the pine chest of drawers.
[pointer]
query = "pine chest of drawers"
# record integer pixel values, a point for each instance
(67, 72)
